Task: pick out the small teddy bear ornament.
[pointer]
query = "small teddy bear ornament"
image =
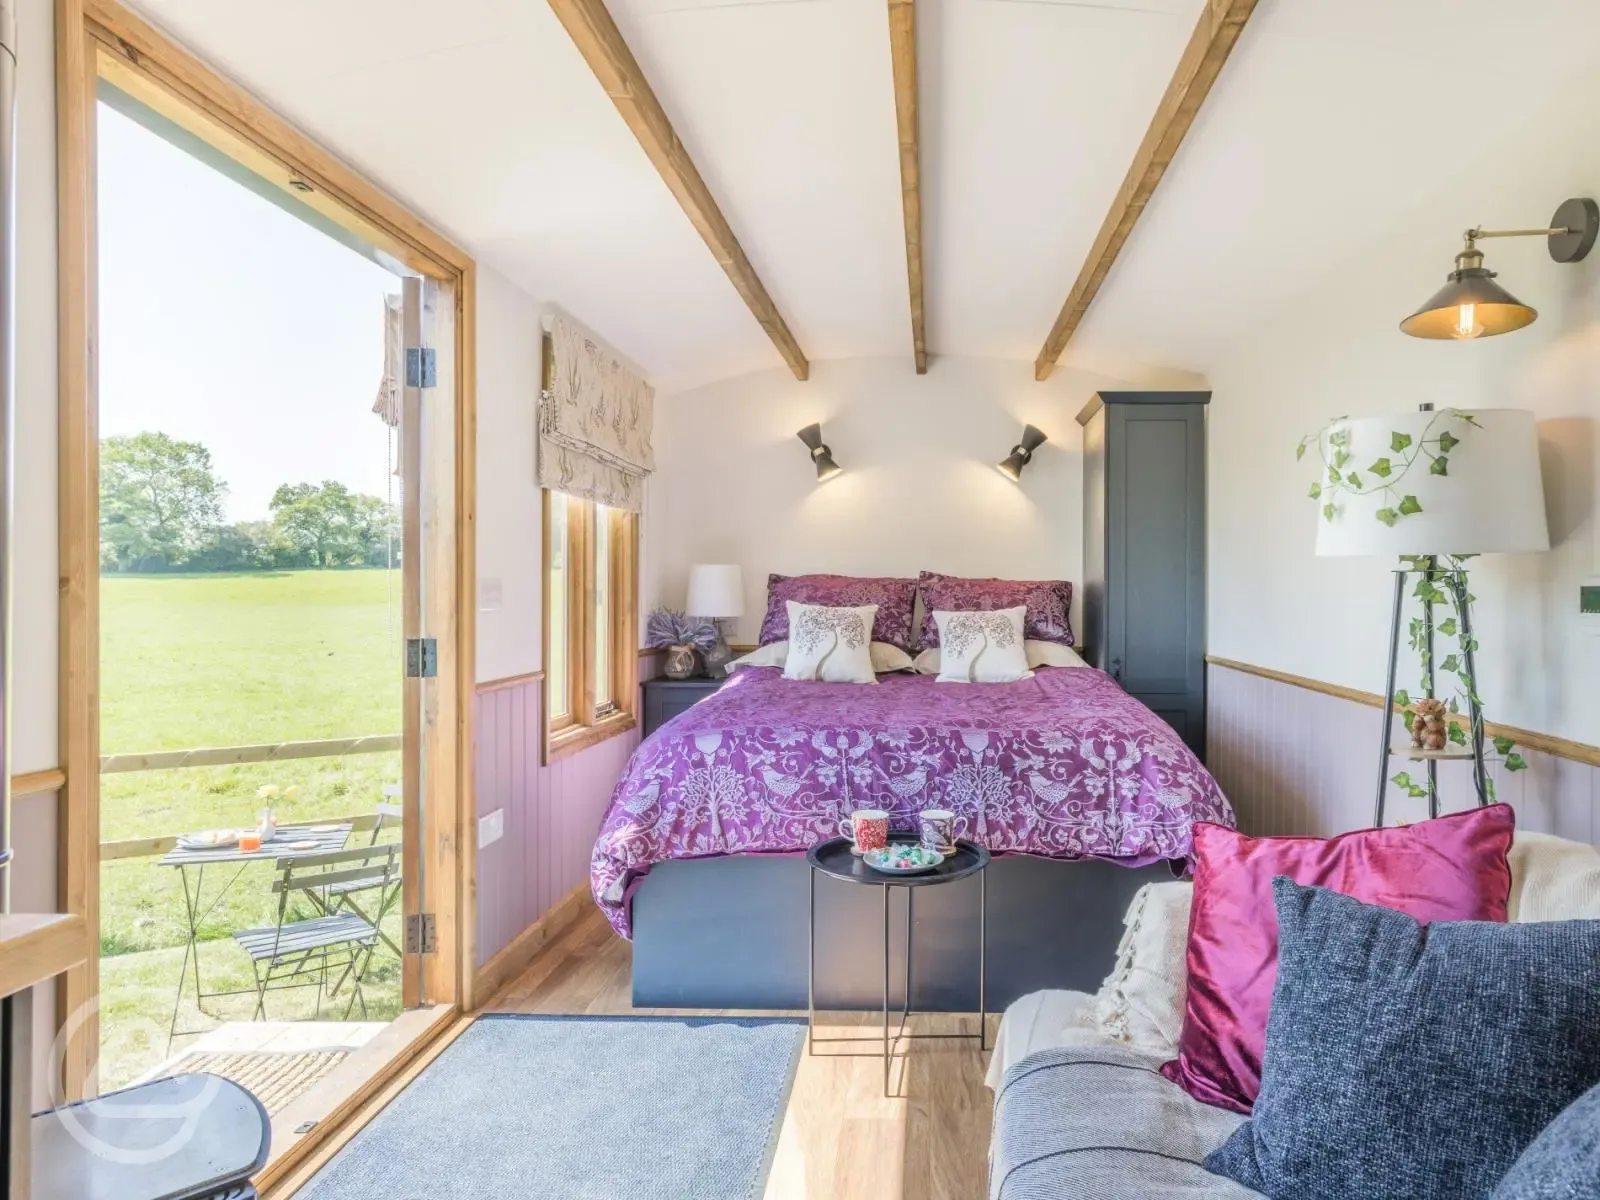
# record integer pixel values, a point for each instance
(1428, 724)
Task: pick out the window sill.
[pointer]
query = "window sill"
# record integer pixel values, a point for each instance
(580, 737)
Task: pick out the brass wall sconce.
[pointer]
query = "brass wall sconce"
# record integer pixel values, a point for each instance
(1473, 305)
(1021, 454)
(811, 435)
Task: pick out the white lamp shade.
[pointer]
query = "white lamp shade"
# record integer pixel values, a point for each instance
(715, 590)
(1490, 501)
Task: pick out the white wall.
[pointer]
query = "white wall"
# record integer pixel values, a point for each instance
(919, 487)
(1337, 351)
(509, 537)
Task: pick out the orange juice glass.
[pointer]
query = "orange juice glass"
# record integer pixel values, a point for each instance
(249, 842)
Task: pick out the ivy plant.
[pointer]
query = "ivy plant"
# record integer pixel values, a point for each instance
(1386, 476)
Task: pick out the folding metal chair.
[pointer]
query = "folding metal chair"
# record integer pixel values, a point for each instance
(295, 954)
(340, 896)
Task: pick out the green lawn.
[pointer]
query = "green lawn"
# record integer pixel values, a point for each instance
(218, 660)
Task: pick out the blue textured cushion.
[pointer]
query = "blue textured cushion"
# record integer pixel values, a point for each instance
(1564, 1161)
(1406, 1062)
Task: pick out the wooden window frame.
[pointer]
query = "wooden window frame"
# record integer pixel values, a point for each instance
(101, 38)
(588, 723)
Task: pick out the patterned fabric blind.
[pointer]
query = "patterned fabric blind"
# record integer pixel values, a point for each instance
(595, 421)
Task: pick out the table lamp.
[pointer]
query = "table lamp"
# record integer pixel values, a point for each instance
(716, 592)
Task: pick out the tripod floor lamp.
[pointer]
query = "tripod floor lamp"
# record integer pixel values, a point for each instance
(1432, 489)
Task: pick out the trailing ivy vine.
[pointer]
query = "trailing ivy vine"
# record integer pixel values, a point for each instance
(1385, 476)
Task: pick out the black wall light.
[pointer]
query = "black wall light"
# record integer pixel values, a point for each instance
(811, 435)
(1021, 454)
(1472, 305)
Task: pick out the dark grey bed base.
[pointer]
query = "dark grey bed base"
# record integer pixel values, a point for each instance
(731, 933)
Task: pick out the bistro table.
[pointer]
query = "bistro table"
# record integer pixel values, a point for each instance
(836, 860)
(324, 837)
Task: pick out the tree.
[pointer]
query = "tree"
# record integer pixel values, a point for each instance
(331, 525)
(159, 500)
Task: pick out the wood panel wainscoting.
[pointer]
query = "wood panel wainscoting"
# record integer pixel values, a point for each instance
(528, 877)
(1299, 756)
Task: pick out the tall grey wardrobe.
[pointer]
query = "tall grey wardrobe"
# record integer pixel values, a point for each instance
(1144, 550)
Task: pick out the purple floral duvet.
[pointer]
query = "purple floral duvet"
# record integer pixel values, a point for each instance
(1063, 765)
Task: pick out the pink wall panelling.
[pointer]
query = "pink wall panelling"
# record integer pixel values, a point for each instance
(551, 813)
(1296, 761)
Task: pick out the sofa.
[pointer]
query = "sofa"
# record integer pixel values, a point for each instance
(1081, 1109)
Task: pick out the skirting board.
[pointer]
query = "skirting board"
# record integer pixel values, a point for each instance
(732, 933)
(514, 957)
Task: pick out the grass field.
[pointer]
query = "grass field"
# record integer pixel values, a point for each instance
(221, 660)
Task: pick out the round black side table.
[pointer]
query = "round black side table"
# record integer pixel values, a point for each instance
(835, 859)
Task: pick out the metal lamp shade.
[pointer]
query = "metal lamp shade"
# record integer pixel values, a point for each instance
(1470, 305)
(1490, 501)
(1022, 453)
(811, 435)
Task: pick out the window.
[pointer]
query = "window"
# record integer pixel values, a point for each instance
(591, 663)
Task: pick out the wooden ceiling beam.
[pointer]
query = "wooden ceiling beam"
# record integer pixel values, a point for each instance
(600, 42)
(1213, 40)
(903, 57)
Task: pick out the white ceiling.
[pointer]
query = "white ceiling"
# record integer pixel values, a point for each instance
(1331, 121)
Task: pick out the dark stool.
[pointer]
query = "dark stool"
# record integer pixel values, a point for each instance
(188, 1137)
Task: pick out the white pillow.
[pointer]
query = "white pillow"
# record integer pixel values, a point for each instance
(1040, 654)
(1552, 879)
(982, 647)
(830, 645)
(1141, 1001)
(886, 659)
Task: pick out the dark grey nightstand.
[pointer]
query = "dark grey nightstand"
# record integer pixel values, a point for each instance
(666, 698)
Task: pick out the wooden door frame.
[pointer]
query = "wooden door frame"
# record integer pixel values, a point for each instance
(96, 38)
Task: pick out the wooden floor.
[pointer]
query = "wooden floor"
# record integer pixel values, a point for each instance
(841, 1139)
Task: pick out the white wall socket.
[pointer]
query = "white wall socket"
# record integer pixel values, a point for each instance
(491, 828)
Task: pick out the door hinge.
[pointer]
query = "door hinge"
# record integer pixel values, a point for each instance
(420, 933)
(422, 368)
(422, 658)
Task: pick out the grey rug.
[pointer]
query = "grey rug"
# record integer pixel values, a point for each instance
(581, 1108)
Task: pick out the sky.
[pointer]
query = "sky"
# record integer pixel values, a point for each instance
(227, 321)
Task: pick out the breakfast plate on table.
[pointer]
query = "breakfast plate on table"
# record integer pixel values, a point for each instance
(899, 858)
(208, 839)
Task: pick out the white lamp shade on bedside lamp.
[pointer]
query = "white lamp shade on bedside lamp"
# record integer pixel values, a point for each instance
(1489, 501)
(716, 590)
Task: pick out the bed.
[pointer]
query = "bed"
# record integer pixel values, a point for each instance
(1081, 792)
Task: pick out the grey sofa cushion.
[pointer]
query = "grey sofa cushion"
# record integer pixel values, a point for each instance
(1410, 1062)
(1100, 1123)
(1564, 1161)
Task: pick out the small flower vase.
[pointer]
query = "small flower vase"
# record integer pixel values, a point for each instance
(267, 825)
(680, 662)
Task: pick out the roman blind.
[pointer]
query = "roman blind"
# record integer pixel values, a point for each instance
(595, 420)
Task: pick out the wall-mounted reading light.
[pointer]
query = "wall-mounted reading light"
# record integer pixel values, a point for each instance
(1021, 454)
(811, 435)
(1473, 305)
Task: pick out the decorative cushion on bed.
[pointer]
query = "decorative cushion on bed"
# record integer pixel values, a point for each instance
(1048, 601)
(886, 659)
(1564, 1161)
(830, 645)
(1553, 879)
(982, 647)
(895, 599)
(1412, 1062)
(1449, 869)
(1040, 654)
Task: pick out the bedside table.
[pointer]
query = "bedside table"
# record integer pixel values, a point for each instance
(666, 698)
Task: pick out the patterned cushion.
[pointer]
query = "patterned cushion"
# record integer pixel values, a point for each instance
(1048, 601)
(1564, 1161)
(982, 647)
(830, 645)
(894, 598)
(1413, 1062)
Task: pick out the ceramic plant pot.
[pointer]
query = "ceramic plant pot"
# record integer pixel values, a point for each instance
(680, 662)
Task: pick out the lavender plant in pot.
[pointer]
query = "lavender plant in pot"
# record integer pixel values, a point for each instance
(680, 636)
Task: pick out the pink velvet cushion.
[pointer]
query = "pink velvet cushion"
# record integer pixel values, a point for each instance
(1449, 869)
